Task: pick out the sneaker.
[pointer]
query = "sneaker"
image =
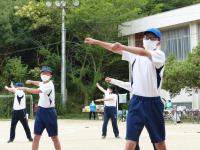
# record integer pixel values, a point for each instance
(9, 141)
(30, 139)
(103, 137)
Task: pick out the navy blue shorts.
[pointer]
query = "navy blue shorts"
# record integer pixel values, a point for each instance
(148, 112)
(46, 118)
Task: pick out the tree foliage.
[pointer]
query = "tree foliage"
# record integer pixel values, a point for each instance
(181, 74)
(14, 70)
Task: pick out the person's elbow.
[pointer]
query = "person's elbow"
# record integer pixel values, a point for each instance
(37, 91)
(144, 53)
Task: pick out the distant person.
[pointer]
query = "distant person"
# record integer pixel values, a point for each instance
(19, 112)
(110, 110)
(169, 105)
(92, 110)
(126, 86)
(176, 118)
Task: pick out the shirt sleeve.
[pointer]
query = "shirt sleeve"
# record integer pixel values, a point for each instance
(130, 57)
(158, 58)
(45, 89)
(115, 97)
(122, 84)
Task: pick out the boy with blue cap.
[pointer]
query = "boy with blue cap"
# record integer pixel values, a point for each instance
(146, 107)
(46, 117)
(19, 111)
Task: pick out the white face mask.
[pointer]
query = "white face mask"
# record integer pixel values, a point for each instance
(150, 45)
(45, 78)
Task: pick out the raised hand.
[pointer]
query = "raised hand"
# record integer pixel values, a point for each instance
(11, 84)
(97, 84)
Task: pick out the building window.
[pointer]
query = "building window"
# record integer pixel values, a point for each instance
(176, 42)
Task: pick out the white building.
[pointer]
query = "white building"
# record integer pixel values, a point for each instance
(180, 33)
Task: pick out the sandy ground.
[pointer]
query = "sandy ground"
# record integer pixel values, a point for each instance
(86, 135)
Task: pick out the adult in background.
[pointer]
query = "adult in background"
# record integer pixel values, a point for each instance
(92, 110)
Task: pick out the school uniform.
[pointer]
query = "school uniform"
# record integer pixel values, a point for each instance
(19, 114)
(127, 86)
(146, 107)
(46, 117)
(110, 112)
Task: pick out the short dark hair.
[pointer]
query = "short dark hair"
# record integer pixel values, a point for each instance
(112, 88)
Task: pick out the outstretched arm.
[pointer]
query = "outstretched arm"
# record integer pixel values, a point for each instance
(103, 44)
(101, 88)
(36, 83)
(119, 83)
(30, 90)
(10, 89)
(102, 100)
(135, 50)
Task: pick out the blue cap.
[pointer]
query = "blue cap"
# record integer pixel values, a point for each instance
(19, 84)
(46, 69)
(154, 31)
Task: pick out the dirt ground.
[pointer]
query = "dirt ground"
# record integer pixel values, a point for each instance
(86, 135)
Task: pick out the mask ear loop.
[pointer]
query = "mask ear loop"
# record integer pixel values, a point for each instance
(158, 45)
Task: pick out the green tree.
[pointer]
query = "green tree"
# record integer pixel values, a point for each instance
(14, 70)
(181, 74)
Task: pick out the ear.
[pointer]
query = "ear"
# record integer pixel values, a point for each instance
(158, 43)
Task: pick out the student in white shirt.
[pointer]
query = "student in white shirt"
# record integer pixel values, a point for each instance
(19, 112)
(126, 86)
(146, 107)
(46, 117)
(110, 110)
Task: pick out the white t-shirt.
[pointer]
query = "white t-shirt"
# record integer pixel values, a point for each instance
(47, 95)
(19, 100)
(146, 73)
(110, 102)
